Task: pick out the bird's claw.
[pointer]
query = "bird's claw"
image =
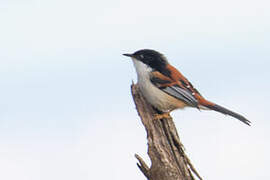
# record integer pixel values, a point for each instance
(162, 116)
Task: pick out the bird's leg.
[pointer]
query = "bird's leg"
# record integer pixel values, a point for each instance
(165, 115)
(158, 115)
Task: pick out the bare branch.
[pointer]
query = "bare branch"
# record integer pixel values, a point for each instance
(168, 158)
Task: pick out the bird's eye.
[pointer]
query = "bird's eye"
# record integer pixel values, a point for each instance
(141, 56)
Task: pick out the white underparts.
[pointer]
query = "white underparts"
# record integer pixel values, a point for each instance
(156, 97)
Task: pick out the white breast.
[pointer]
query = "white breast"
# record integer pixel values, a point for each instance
(159, 99)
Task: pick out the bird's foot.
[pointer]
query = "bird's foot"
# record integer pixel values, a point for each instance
(162, 116)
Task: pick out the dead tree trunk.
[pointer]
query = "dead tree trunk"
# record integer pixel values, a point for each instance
(168, 159)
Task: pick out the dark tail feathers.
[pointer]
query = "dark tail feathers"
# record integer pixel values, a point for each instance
(223, 110)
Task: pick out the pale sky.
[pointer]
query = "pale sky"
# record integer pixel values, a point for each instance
(66, 111)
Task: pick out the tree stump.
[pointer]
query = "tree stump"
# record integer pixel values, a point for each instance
(168, 158)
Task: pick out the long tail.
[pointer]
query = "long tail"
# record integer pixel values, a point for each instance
(223, 110)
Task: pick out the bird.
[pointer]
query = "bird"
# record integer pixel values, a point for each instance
(166, 89)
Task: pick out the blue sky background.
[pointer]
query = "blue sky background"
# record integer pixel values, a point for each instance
(65, 106)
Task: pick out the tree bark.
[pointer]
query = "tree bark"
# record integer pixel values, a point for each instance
(168, 159)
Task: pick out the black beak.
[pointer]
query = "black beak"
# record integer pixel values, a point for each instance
(128, 55)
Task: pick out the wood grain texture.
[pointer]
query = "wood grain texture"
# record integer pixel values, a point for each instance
(168, 158)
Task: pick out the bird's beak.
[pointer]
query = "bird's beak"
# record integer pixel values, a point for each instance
(128, 55)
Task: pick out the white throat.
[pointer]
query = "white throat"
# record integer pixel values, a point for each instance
(143, 71)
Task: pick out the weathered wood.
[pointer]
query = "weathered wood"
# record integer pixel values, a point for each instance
(168, 158)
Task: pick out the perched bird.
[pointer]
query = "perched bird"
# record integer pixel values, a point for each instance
(166, 89)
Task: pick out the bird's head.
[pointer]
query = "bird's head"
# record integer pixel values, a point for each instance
(151, 58)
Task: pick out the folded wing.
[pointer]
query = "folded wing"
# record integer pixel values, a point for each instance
(174, 89)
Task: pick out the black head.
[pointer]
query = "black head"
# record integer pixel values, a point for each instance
(151, 58)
